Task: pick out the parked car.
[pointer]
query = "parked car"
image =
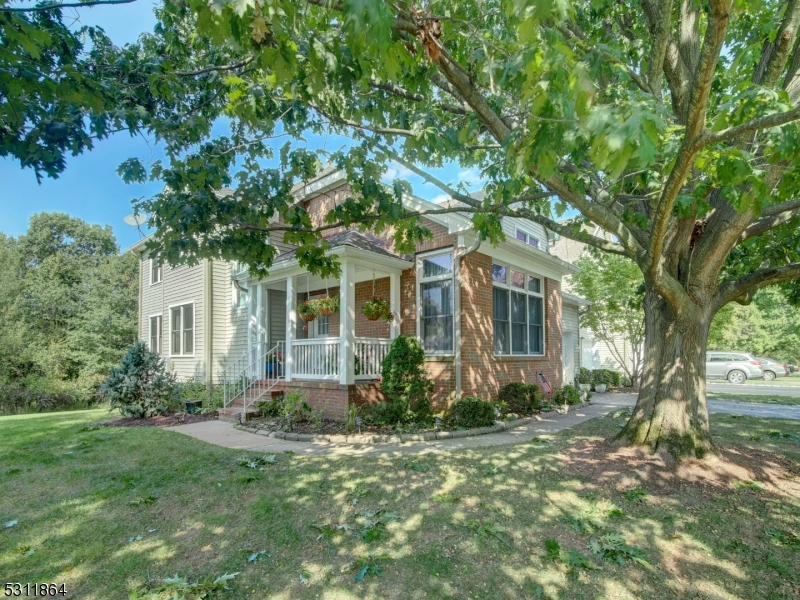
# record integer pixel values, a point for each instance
(773, 369)
(736, 367)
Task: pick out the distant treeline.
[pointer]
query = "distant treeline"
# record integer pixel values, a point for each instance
(68, 312)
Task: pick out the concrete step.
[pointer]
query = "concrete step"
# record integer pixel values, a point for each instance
(230, 414)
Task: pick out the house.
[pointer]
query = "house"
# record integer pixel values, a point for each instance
(485, 315)
(591, 352)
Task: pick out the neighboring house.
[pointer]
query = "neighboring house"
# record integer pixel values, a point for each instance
(591, 352)
(485, 315)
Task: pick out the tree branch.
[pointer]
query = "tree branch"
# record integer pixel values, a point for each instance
(730, 133)
(55, 6)
(661, 35)
(779, 208)
(781, 49)
(767, 223)
(357, 125)
(731, 290)
(230, 67)
(718, 16)
(401, 93)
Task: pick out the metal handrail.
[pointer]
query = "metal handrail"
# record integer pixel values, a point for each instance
(241, 377)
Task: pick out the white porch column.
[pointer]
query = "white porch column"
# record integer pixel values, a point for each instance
(260, 322)
(251, 330)
(394, 300)
(347, 324)
(291, 327)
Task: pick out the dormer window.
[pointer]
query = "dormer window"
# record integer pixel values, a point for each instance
(527, 238)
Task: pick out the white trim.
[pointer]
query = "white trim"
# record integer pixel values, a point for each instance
(194, 328)
(419, 259)
(160, 333)
(510, 288)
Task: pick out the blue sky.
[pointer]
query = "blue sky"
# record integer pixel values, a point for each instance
(90, 188)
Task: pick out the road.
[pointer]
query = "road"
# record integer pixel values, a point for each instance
(751, 409)
(763, 389)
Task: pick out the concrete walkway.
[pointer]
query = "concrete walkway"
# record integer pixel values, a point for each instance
(224, 434)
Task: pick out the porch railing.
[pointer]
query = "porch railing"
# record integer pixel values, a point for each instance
(316, 358)
(369, 354)
(251, 379)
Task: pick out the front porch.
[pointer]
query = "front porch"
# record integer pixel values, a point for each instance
(340, 350)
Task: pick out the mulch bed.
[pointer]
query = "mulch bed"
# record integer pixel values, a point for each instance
(605, 462)
(330, 427)
(159, 421)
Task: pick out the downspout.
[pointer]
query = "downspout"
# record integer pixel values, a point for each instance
(460, 253)
(208, 332)
(139, 295)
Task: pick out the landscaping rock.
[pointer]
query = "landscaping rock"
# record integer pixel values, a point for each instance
(281, 435)
(293, 437)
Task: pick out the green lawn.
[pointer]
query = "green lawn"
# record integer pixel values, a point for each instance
(465, 525)
(757, 398)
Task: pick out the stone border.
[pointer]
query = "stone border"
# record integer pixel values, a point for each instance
(498, 427)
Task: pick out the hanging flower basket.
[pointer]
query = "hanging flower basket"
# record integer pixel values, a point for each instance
(306, 311)
(324, 307)
(377, 308)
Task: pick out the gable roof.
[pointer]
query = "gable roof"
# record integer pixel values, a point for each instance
(352, 238)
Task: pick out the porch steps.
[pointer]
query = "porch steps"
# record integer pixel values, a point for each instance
(263, 391)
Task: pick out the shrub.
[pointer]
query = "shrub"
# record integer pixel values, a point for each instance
(140, 386)
(567, 395)
(521, 398)
(17, 399)
(192, 391)
(405, 384)
(607, 376)
(584, 376)
(470, 412)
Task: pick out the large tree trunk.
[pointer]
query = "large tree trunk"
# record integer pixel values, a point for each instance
(671, 412)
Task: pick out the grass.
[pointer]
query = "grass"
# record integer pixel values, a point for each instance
(104, 510)
(754, 398)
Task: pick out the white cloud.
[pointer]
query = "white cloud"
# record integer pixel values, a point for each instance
(396, 171)
(469, 177)
(440, 198)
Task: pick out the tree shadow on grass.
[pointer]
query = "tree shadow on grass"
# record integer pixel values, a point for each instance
(456, 525)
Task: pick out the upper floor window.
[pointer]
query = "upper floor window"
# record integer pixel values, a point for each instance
(181, 328)
(156, 271)
(435, 302)
(518, 311)
(527, 238)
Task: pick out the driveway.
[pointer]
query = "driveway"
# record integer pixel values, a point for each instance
(728, 407)
(762, 389)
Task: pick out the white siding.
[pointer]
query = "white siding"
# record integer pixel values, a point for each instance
(510, 225)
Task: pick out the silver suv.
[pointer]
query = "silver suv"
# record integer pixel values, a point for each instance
(736, 367)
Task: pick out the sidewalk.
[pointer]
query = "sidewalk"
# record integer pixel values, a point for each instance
(224, 434)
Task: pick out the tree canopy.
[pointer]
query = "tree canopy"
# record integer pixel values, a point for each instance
(69, 304)
(612, 284)
(672, 125)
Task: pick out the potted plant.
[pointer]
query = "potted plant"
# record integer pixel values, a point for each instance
(306, 311)
(599, 387)
(377, 308)
(326, 306)
(585, 379)
(274, 362)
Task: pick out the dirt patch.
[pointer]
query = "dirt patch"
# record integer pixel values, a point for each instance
(159, 421)
(606, 463)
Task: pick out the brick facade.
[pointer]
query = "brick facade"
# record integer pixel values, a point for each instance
(483, 373)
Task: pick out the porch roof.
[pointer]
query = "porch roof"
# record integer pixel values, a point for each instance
(352, 238)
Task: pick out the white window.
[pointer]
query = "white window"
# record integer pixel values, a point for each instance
(239, 297)
(155, 334)
(527, 238)
(182, 330)
(435, 302)
(518, 312)
(155, 271)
